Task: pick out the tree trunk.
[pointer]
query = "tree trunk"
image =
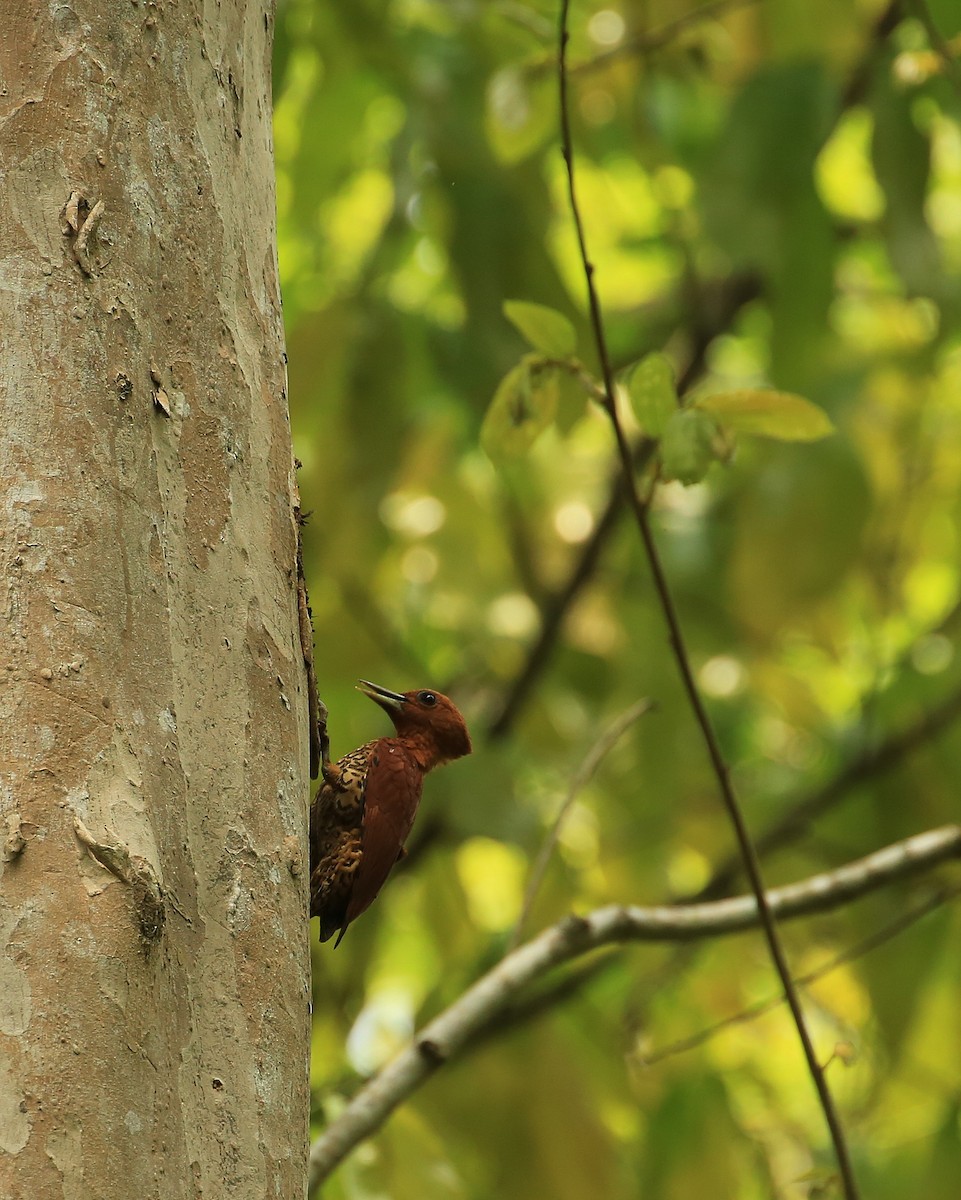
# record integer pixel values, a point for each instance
(153, 929)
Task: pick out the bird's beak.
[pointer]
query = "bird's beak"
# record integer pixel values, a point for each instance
(381, 695)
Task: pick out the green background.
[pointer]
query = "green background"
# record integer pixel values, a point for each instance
(772, 197)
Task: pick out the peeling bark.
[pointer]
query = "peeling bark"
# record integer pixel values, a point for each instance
(153, 710)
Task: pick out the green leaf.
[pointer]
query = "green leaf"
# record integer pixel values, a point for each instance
(780, 415)
(690, 443)
(524, 405)
(571, 399)
(546, 329)
(653, 392)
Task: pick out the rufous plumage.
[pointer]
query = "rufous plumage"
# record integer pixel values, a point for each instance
(365, 806)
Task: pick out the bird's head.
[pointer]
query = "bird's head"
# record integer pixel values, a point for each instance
(424, 716)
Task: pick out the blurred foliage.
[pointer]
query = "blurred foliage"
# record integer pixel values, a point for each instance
(772, 197)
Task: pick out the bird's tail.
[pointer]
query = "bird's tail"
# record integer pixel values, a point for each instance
(328, 927)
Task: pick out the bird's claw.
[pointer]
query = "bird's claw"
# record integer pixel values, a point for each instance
(323, 738)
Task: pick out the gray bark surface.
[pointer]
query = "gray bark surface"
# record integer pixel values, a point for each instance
(153, 735)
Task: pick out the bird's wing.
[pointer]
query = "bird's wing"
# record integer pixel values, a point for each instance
(336, 821)
(392, 795)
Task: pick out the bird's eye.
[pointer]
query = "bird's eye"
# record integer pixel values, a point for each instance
(427, 698)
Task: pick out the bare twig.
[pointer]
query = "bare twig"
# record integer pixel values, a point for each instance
(800, 813)
(555, 610)
(537, 1002)
(738, 291)
(678, 646)
(655, 39)
(868, 765)
(860, 78)
(446, 1036)
(872, 762)
(721, 308)
(753, 1011)
(582, 777)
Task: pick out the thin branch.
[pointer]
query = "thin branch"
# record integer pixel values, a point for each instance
(446, 1036)
(939, 43)
(722, 308)
(798, 814)
(582, 777)
(537, 1002)
(858, 950)
(859, 80)
(738, 291)
(655, 39)
(874, 761)
(556, 608)
(682, 659)
(870, 763)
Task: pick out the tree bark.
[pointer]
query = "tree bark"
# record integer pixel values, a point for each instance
(153, 741)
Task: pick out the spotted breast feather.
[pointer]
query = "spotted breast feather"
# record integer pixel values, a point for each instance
(336, 839)
(359, 822)
(391, 798)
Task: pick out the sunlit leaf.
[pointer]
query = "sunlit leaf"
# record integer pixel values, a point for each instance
(780, 415)
(653, 392)
(546, 329)
(571, 399)
(690, 443)
(524, 404)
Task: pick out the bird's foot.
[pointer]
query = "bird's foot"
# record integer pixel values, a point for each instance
(328, 769)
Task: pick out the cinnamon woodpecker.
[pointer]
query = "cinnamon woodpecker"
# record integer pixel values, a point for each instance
(366, 804)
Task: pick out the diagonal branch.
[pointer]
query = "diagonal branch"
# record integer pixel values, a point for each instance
(446, 1036)
(557, 606)
(682, 659)
(715, 314)
(737, 291)
(872, 762)
(903, 921)
(859, 81)
(867, 765)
